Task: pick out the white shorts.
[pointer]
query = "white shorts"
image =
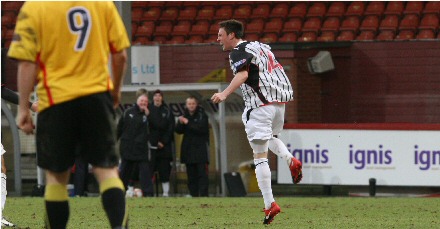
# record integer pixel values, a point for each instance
(263, 122)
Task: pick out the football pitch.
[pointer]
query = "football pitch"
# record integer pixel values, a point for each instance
(218, 212)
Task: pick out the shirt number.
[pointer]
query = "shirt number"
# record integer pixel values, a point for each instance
(80, 24)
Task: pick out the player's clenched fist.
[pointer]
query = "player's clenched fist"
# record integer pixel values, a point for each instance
(218, 98)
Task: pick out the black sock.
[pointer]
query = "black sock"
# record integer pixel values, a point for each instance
(113, 201)
(57, 213)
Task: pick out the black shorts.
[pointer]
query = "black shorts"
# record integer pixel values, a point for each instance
(82, 127)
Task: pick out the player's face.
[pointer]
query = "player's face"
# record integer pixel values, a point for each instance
(191, 105)
(142, 102)
(224, 40)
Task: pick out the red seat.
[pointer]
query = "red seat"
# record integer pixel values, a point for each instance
(136, 14)
(182, 28)
(394, 8)
(274, 25)
(146, 29)
(170, 14)
(293, 25)
(269, 38)
(425, 34)
(405, 35)
(350, 23)
(366, 35)
(8, 21)
(187, 13)
(430, 21)
(432, 7)
(318, 9)
(312, 24)
(336, 9)
(206, 12)
(164, 28)
(160, 39)
(414, 7)
(370, 22)
(288, 37)
(390, 22)
(140, 4)
(242, 12)
(194, 39)
(385, 35)
(331, 24)
(11, 5)
(298, 10)
(307, 37)
(347, 35)
(156, 4)
(375, 8)
(174, 3)
(199, 29)
(409, 21)
(152, 14)
(180, 39)
(327, 36)
(141, 41)
(280, 10)
(211, 39)
(355, 9)
(192, 3)
(255, 26)
(213, 29)
(262, 10)
(9, 34)
(225, 12)
(251, 37)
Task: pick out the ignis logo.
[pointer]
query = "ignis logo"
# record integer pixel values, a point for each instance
(426, 158)
(240, 62)
(362, 157)
(310, 156)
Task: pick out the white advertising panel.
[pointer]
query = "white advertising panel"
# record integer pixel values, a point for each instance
(352, 157)
(145, 68)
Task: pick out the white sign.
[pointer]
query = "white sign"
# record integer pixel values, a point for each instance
(145, 68)
(352, 157)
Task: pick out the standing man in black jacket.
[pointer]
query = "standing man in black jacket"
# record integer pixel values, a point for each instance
(133, 132)
(195, 146)
(161, 139)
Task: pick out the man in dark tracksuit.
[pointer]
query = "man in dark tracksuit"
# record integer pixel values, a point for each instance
(134, 149)
(195, 146)
(161, 139)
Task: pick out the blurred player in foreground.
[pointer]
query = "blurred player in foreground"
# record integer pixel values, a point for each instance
(65, 46)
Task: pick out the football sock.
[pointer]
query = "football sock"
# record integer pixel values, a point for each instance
(113, 201)
(165, 188)
(3, 189)
(263, 173)
(57, 206)
(278, 148)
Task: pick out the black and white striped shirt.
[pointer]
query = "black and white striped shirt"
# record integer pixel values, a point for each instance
(267, 82)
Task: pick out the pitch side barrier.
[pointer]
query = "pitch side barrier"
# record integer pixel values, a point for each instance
(395, 154)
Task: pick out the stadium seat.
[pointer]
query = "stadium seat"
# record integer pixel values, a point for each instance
(156, 4)
(414, 7)
(200, 29)
(141, 41)
(134, 27)
(350, 23)
(163, 29)
(312, 24)
(251, 37)
(347, 35)
(430, 21)
(136, 14)
(331, 24)
(7, 43)
(11, 5)
(370, 22)
(262, 10)
(187, 13)
(152, 14)
(210, 39)
(255, 26)
(192, 3)
(180, 39)
(375, 8)
(409, 22)
(213, 29)
(173, 3)
(242, 12)
(223, 13)
(425, 34)
(194, 39)
(307, 37)
(169, 14)
(146, 29)
(336, 9)
(206, 12)
(9, 34)
(288, 37)
(327, 36)
(269, 38)
(355, 9)
(394, 8)
(432, 7)
(385, 35)
(299, 9)
(390, 22)
(280, 10)
(140, 4)
(318, 9)
(274, 25)
(182, 28)
(159, 39)
(8, 20)
(405, 35)
(293, 25)
(366, 35)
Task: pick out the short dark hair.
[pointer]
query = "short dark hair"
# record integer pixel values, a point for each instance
(233, 26)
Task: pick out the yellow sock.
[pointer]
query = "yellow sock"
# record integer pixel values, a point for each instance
(111, 183)
(56, 192)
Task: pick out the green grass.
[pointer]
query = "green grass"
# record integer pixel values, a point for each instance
(216, 212)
